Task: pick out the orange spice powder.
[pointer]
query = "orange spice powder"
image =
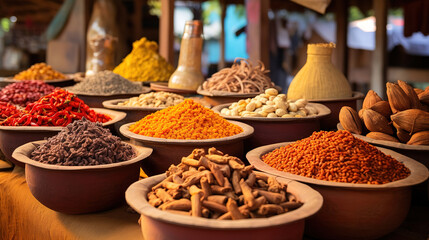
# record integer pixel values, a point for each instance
(186, 120)
(338, 157)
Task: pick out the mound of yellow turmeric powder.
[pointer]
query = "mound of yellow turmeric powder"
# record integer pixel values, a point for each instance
(144, 63)
(186, 120)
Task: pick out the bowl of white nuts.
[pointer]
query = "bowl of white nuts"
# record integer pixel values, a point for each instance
(143, 105)
(274, 117)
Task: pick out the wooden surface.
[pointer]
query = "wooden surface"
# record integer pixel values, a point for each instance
(258, 30)
(341, 51)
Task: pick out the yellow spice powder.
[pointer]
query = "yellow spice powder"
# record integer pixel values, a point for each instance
(187, 120)
(144, 63)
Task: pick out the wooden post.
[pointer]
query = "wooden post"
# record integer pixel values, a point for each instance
(379, 59)
(166, 31)
(258, 30)
(137, 18)
(222, 36)
(341, 51)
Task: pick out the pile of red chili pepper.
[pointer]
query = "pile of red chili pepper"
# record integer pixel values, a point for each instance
(7, 110)
(23, 93)
(58, 108)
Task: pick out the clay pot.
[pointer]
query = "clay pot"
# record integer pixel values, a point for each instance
(335, 105)
(274, 130)
(79, 189)
(354, 211)
(171, 151)
(12, 137)
(161, 225)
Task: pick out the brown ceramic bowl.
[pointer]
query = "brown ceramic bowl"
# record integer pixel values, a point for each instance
(161, 225)
(330, 122)
(55, 82)
(354, 211)
(79, 189)
(133, 113)
(96, 100)
(419, 153)
(12, 137)
(171, 151)
(274, 130)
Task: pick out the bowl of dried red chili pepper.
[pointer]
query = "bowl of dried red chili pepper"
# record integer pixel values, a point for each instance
(45, 118)
(367, 189)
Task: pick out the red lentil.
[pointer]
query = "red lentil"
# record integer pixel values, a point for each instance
(338, 157)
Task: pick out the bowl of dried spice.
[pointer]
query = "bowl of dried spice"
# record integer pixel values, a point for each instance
(223, 200)
(178, 129)
(106, 85)
(82, 169)
(46, 117)
(366, 189)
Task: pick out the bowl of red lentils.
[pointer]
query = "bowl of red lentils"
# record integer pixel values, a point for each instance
(366, 189)
(176, 130)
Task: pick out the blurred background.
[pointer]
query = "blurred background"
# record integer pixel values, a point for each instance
(275, 32)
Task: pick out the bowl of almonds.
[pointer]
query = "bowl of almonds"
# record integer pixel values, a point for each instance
(213, 195)
(274, 118)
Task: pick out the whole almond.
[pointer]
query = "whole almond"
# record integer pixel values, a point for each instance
(412, 120)
(424, 96)
(382, 136)
(418, 90)
(350, 120)
(383, 108)
(375, 122)
(412, 96)
(402, 135)
(419, 138)
(398, 100)
(370, 99)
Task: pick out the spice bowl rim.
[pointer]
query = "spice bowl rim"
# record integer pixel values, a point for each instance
(113, 104)
(323, 112)
(391, 144)
(136, 198)
(246, 133)
(115, 115)
(143, 91)
(22, 154)
(418, 172)
(12, 80)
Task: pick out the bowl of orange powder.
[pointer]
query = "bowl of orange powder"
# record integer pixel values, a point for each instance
(177, 130)
(366, 189)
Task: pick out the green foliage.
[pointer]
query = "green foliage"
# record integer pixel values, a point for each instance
(154, 7)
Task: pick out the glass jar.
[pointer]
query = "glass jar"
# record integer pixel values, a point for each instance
(102, 38)
(188, 74)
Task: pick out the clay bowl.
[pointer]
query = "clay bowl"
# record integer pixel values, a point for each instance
(419, 153)
(96, 100)
(274, 130)
(171, 151)
(354, 211)
(161, 225)
(133, 113)
(330, 122)
(79, 189)
(12, 137)
(55, 82)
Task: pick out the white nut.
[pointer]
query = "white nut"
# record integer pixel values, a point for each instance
(301, 113)
(251, 106)
(258, 104)
(287, 116)
(270, 103)
(257, 110)
(283, 96)
(263, 100)
(300, 103)
(271, 91)
(268, 108)
(280, 112)
(281, 105)
(272, 115)
(292, 107)
(223, 111)
(263, 113)
(234, 112)
(271, 98)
